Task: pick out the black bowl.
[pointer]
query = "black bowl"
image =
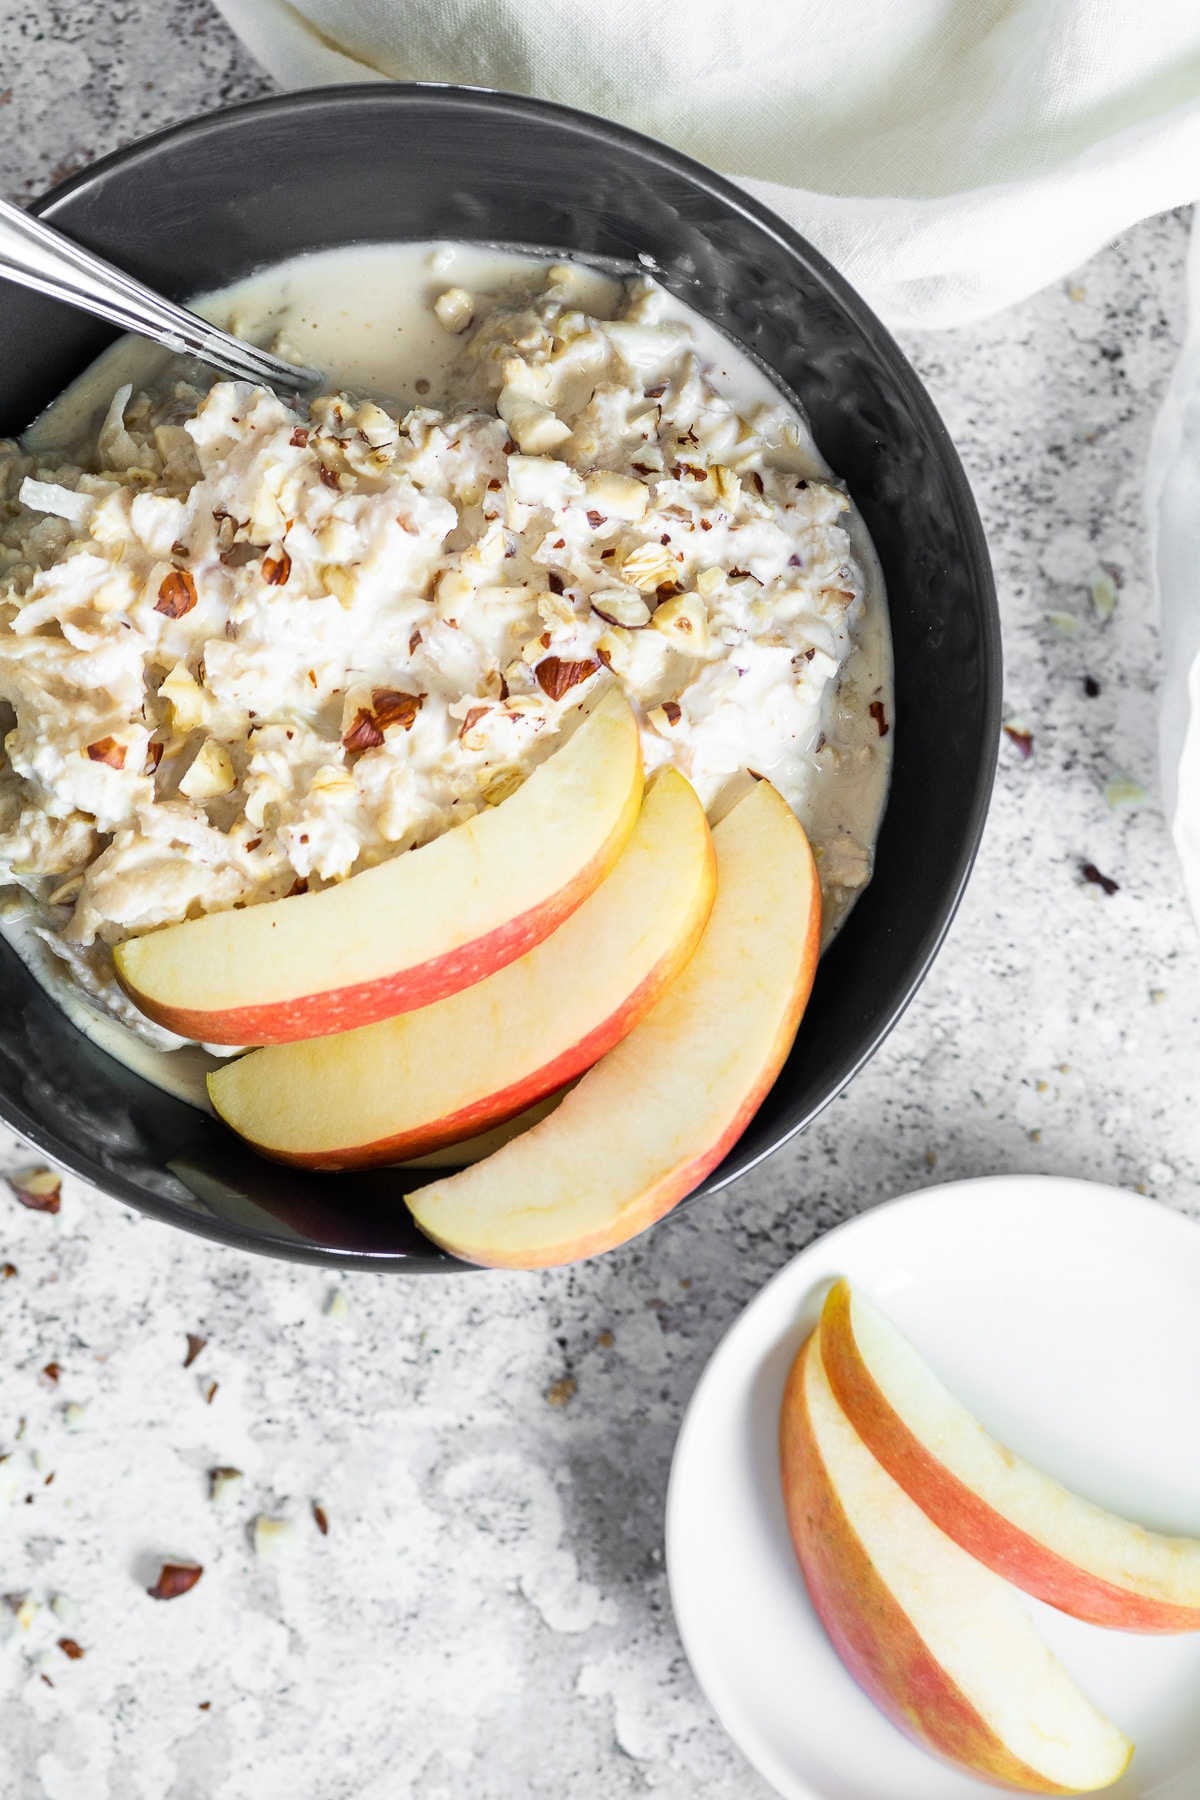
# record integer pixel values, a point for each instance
(208, 202)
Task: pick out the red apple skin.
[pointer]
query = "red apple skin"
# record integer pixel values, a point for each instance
(345, 1008)
(656, 1201)
(989, 1537)
(496, 1109)
(212, 996)
(872, 1636)
(659, 1197)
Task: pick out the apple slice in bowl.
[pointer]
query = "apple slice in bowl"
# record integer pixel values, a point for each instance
(423, 925)
(651, 1118)
(405, 1086)
(942, 1645)
(1020, 1522)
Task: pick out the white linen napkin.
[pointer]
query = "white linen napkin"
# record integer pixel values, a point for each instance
(949, 156)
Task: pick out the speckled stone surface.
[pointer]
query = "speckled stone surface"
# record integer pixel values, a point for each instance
(488, 1612)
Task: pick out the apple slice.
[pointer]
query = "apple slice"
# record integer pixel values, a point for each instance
(473, 1149)
(407, 1085)
(649, 1121)
(940, 1644)
(1008, 1514)
(414, 929)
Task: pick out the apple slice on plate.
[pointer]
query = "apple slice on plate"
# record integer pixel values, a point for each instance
(423, 925)
(1011, 1516)
(649, 1121)
(940, 1644)
(407, 1085)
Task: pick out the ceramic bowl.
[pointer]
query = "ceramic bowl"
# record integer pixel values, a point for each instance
(210, 201)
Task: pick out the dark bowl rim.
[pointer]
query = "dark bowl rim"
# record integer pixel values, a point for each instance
(306, 102)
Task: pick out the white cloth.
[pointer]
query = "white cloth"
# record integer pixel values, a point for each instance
(949, 156)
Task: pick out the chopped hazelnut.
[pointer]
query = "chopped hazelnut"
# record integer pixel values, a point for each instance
(38, 1189)
(176, 594)
(174, 1579)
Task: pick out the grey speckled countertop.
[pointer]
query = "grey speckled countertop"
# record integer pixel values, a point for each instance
(488, 1613)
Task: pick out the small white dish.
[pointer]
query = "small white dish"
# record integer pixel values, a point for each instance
(1067, 1317)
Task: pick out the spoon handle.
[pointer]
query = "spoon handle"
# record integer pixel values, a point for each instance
(37, 256)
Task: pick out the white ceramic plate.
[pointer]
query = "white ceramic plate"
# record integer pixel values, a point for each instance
(1067, 1317)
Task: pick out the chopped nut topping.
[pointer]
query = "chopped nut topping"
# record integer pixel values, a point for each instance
(648, 566)
(621, 608)
(392, 707)
(502, 785)
(107, 750)
(276, 569)
(70, 1648)
(195, 1345)
(211, 774)
(186, 698)
(684, 621)
(321, 1517)
(341, 582)
(176, 594)
(364, 733)
(620, 496)
(556, 677)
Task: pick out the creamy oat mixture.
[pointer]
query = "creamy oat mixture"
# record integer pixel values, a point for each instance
(246, 650)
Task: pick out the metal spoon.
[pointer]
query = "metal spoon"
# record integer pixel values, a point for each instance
(37, 256)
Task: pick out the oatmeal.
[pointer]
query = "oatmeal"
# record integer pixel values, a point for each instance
(247, 651)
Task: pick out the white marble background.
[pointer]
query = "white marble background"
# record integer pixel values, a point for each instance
(488, 1614)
